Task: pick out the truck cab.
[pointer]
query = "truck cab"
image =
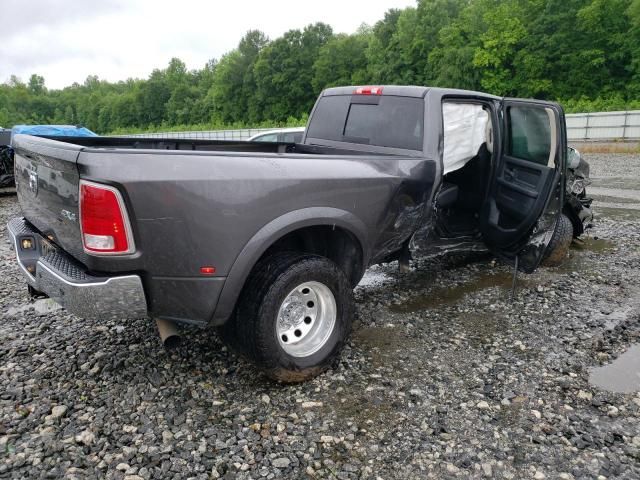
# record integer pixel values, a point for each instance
(500, 162)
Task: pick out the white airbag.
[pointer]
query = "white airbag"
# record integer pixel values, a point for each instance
(465, 127)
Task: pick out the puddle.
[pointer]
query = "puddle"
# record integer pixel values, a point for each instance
(482, 328)
(381, 342)
(41, 307)
(382, 345)
(577, 262)
(621, 376)
(448, 295)
(592, 244)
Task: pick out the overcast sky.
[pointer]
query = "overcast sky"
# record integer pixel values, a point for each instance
(66, 40)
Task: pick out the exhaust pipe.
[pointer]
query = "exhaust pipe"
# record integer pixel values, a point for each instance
(169, 334)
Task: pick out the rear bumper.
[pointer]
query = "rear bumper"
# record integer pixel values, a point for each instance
(51, 271)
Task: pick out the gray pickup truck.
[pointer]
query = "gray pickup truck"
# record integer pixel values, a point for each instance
(267, 241)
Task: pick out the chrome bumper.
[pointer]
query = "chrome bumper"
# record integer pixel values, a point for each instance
(51, 271)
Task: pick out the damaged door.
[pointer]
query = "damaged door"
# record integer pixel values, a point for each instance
(526, 193)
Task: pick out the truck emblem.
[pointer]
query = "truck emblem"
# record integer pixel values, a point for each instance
(68, 215)
(33, 182)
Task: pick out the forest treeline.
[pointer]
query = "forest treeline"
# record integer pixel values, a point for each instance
(582, 53)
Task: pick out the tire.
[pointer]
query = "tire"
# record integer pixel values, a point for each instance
(272, 307)
(558, 247)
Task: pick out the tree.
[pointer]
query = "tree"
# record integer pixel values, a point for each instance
(585, 53)
(36, 84)
(342, 61)
(284, 72)
(233, 84)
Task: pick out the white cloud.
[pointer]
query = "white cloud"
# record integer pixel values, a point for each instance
(65, 41)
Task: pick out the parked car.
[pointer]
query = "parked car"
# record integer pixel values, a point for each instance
(267, 241)
(6, 161)
(285, 135)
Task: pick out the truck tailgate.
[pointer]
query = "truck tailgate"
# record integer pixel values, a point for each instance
(47, 186)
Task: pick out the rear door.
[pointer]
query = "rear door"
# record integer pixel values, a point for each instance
(527, 190)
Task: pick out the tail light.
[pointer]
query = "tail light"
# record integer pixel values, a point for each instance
(104, 223)
(368, 91)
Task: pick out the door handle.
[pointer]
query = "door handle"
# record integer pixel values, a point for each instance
(509, 174)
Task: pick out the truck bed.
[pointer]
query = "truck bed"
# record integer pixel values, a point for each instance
(193, 203)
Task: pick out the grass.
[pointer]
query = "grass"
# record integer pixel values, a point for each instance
(609, 147)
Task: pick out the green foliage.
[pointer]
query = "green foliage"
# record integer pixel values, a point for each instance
(585, 53)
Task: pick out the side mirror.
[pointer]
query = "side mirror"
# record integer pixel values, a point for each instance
(573, 158)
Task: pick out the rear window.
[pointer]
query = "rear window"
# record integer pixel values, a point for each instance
(383, 121)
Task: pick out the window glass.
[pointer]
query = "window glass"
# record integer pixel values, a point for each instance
(529, 134)
(395, 122)
(271, 137)
(292, 137)
(328, 118)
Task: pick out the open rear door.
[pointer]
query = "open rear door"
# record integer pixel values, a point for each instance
(527, 188)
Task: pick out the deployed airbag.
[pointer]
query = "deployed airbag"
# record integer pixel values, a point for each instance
(465, 127)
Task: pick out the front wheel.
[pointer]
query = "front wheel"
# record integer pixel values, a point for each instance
(558, 248)
(293, 316)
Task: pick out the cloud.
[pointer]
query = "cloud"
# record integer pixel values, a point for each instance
(20, 15)
(65, 41)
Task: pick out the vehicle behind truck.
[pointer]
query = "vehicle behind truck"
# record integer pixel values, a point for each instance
(266, 241)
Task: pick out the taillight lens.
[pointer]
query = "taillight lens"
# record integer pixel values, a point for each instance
(103, 220)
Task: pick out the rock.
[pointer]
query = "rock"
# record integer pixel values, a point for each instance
(451, 468)
(482, 405)
(536, 414)
(585, 395)
(85, 438)
(539, 475)
(613, 411)
(281, 462)
(123, 467)
(265, 399)
(58, 411)
(312, 404)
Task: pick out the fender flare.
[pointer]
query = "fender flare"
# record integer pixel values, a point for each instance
(268, 235)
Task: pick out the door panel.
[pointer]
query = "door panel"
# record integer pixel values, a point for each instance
(530, 164)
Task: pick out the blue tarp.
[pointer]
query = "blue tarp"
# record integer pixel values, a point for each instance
(53, 130)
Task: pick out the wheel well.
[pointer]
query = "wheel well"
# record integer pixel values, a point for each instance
(335, 243)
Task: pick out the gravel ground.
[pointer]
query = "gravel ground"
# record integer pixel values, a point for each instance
(444, 377)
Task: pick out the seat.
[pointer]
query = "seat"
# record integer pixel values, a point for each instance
(447, 196)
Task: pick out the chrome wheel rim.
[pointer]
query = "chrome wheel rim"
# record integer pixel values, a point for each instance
(306, 319)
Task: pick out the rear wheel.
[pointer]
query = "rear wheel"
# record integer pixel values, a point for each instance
(558, 248)
(293, 316)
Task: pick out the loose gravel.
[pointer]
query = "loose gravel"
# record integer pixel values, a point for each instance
(444, 377)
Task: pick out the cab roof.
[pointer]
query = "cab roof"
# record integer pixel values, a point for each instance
(406, 91)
